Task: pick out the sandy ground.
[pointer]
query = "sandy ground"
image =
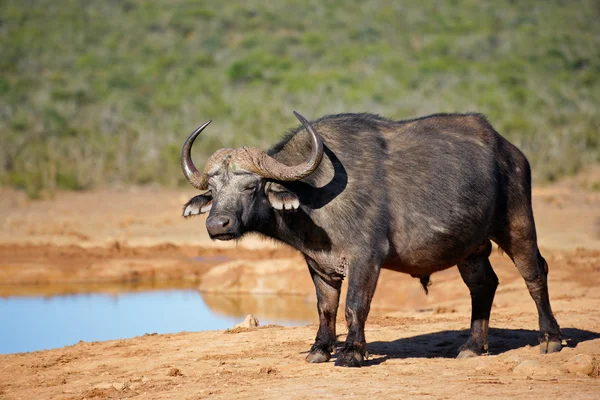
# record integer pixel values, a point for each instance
(119, 240)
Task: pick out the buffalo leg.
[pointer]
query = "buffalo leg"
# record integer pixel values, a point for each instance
(534, 270)
(519, 241)
(328, 297)
(362, 281)
(517, 236)
(476, 271)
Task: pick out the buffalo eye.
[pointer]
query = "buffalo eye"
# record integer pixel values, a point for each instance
(249, 188)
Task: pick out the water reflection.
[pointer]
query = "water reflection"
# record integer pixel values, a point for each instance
(275, 308)
(42, 322)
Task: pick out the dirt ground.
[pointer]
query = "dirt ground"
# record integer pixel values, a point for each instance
(122, 239)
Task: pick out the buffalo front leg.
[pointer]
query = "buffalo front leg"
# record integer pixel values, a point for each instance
(328, 297)
(362, 281)
(476, 271)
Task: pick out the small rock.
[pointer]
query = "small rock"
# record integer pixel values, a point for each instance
(535, 367)
(268, 370)
(581, 364)
(249, 322)
(120, 385)
(175, 372)
(103, 386)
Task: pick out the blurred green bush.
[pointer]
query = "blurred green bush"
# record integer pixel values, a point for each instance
(105, 92)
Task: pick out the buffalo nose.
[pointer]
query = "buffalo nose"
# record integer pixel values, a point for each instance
(217, 224)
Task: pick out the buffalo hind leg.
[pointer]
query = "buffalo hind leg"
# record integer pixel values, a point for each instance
(362, 281)
(519, 240)
(476, 271)
(516, 235)
(534, 270)
(328, 297)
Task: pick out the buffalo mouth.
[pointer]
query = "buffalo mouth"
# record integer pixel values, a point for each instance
(224, 236)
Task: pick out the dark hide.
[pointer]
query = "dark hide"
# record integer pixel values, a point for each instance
(415, 196)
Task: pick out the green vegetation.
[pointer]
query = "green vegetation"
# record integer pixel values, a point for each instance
(105, 92)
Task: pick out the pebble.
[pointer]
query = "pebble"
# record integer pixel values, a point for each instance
(120, 385)
(103, 386)
(580, 364)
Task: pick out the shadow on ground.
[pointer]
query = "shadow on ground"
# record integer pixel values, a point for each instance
(445, 344)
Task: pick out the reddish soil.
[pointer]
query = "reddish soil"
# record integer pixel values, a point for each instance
(119, 240)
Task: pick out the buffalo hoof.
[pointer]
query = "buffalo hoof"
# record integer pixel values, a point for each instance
(467, 353)
(471, 349)
(550, 345)
(349, 358)
(318, 355)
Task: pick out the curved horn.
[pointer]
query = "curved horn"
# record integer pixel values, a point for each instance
(259, 162)
(317, 155)
(195, 178)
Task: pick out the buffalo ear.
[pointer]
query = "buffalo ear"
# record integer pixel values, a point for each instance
(280, 198)
(198, 205)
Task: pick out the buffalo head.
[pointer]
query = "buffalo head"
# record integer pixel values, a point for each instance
(242, 185)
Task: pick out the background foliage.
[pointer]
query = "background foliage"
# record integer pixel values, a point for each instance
(96, 92)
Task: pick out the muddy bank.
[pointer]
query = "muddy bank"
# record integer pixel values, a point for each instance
(412, 339)
(411, 355)
(51, 270)
(26, 264)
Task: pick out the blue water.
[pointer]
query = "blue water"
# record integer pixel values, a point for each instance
(37, 323)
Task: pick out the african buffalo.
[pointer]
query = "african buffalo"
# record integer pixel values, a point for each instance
(357, 192)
